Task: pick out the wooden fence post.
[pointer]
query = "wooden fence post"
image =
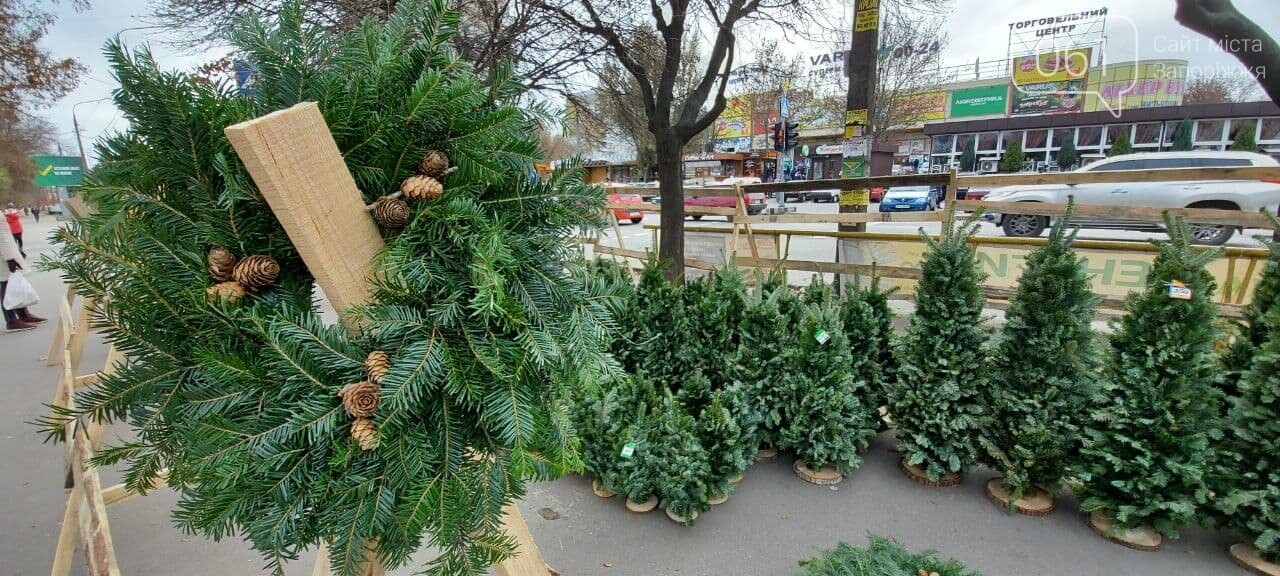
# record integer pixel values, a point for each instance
(295, 162)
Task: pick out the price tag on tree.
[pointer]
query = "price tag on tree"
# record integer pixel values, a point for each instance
(1178, 290)
(628, 450)
(822, 336)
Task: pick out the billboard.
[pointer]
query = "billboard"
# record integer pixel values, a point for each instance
(1055, 66)
(980, 101)
(52, 171)
(733, 127)
(1136, 85)
(916, 109)
(1048, 98)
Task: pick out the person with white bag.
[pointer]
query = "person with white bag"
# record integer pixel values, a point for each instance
(18, 318)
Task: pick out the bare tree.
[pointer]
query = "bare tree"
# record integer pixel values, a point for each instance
(1235, 33)
(907, 74)
(614, 24)
(1212, 89)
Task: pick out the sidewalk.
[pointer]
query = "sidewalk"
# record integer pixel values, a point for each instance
(773, 520)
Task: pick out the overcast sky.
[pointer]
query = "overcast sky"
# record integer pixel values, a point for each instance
(978, 29)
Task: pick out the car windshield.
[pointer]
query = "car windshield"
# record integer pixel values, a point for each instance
(908, 192)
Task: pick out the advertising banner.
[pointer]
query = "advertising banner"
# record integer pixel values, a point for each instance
(740, 144)
(760, 122)
(54, 171)
(979, 101)
(1056, 66)
(1048, 98)
(733, 127)
(1129, 86)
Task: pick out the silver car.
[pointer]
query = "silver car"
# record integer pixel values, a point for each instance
(1249, 195)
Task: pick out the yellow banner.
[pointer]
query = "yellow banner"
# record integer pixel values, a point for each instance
(867, 16)
(861, 197)
(1057, 66)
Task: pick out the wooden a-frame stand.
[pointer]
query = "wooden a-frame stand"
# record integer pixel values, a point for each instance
(295, 162)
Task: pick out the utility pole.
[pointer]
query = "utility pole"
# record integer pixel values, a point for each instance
(861, 63)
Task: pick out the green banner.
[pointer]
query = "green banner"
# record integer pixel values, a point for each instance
(54, 171)
(980, 101)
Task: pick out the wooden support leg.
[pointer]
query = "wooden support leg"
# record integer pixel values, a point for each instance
(68, 534)
(75, 344)
(55, 347)
(94, 528)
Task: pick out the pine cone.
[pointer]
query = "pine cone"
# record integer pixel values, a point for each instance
(360, 399)
(221, 264)
(377, 365)
(421, 188)
(228, 291)
(257, 271)
(391, 212)
(365, 433)
(434, 163)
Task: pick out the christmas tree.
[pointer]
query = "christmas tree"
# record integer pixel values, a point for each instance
(1013, 157)
(868, 324)
(715, 307)
(1143, 457)
(1248, 479)
(1244, 140)
(818, 292)
(824, 421)
(937, 403)
(678, 460)
(475, 330)
(761, 365)
(721, 437)
(1253, 331)
(1121, 145)
(1067, 156)
(661, 342)
(969, 157)
(1046, 357)
(1182, 136)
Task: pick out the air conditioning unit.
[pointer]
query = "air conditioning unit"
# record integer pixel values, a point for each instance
(987, 165)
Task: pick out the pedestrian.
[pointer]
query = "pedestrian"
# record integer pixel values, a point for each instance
(36, 212)
(21, 318)
(15, 224)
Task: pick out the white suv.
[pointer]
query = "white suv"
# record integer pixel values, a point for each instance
(1249, 195)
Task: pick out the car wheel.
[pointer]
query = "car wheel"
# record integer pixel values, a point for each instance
(1024, 225)
(1211, 234)
(636, 220)
(697, 216)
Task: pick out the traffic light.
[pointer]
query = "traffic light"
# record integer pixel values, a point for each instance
(792, 135)
(778, 142)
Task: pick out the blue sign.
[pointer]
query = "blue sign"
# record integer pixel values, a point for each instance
(784, 106)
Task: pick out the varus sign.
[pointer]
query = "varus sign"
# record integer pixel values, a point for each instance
(1054, 25)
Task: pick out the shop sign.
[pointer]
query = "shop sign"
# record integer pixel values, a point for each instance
(1048, 98)
(1055, 66)
(979, 101)
(830, 149)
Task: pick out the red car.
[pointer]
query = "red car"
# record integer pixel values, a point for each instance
(877, 193)
(755, 203)
(635, 216)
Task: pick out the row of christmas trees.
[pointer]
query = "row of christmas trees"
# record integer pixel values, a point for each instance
(1153, 425)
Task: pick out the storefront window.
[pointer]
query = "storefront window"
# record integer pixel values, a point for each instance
(1247, 126)
(942, 144)
(1270, 129)
(1037, 139)
(1170, 131)
(1061, 135)
(1148, 133)
(1209, 130)
(1089, 136)
(987, 141)
(1115, 131)
(1008, 137)
(962, 141)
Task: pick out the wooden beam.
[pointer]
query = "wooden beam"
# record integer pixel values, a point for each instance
(61, 330)
(1103, 212)
(1109, 177)
(295, 162)
(95, 530)
(833, 267)
(688, 210)
(121, 493)
(849, 218)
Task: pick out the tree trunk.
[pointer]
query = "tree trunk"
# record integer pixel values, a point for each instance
(671, 187)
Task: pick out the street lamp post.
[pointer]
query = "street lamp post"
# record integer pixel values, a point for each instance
(75, 123)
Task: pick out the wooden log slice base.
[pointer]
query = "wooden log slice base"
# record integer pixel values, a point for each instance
(642, 507)
(766, 454)
(826, 476)
(717, 500)
(736, 480)
(1035, 502)
(920, 477)
(884, 415)
(679, 520)
(1141, 538)
(601, 492)
(1248, 558)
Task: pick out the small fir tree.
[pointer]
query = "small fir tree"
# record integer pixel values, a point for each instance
(969, 157)
(1121, 146)
(818, 292)
(630, 422)
(1244, 140)
(1013, 158)
(678, 460)
(1046, 358)
(1182, 136)
(1254, 330)
(716, 306)
(868, 324)
(1143, 457)
(883, 557)
(937, 403)
(761, 365)
(722, 439)
(1067, 155)
(661, 343)
(825, 421)
(1248, 479)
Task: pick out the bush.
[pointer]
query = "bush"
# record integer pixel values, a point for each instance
(1045, 363)
(937, 403)
(1144, 456)
(884, 557)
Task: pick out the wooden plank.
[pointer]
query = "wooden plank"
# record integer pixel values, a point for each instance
(1103, 212)
(849, 218)
(833, 267)
(1159, 175)
(654, 208)
(939, 179)
(75, 344)
(95, 530)
(68, 533)
(61, 330)
(644, 255)
(295, 162)
(121, 493)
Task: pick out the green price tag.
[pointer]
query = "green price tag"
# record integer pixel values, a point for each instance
(628, 450)
(822, 336)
